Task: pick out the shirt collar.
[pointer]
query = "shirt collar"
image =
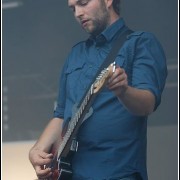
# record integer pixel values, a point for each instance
(109, 33)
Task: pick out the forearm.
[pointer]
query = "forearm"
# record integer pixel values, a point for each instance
(139, 102)
(50, 136)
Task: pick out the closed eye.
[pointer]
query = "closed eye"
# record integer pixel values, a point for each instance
(83, 2)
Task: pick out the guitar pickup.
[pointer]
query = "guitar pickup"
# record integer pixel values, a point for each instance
(74, 145)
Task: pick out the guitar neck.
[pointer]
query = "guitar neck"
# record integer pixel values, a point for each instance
(77, 119)
(75, 122)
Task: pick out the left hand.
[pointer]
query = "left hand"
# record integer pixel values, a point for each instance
(118, 81)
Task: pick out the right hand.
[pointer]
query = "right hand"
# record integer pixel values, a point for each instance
(39, 159)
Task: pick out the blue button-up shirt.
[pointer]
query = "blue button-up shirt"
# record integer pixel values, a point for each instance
(112, 141)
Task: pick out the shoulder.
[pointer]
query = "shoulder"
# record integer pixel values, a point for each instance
(142, 36)
(76, 49)
(143, 39)
(76, 53)
(79, 44)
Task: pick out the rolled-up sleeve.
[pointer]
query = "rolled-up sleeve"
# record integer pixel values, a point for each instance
(149, 67)
(60, 106)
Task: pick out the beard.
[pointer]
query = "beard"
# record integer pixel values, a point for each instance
(100, 20)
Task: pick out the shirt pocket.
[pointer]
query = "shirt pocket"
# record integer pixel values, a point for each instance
(73, 73)
(79, 78)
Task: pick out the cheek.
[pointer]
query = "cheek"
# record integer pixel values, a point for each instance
(92, 11)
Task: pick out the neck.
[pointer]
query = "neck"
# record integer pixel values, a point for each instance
(113, 17)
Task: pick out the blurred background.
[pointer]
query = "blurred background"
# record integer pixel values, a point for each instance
(36, 38)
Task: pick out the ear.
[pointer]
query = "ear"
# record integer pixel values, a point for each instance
(109, 3)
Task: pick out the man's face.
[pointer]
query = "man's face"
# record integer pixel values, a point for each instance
(92, 15)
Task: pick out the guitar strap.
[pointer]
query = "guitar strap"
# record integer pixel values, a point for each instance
(116, 47)
(112, 55)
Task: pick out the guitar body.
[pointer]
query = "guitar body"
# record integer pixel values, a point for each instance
(65, 175)
(61, 168)
(65, 171)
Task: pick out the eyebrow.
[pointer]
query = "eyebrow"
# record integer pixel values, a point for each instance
(78, 2)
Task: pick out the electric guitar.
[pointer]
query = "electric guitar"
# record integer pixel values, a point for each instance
(61, 163)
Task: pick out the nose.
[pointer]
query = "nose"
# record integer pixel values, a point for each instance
(78, 11)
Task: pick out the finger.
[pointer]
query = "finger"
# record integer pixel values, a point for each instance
(50, 156)
(45, 155)
(43, 173)
(118, 81)
(40, 161)
(120, 84)
(118, 72)
(45, 177)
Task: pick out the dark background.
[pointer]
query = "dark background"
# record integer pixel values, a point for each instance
(36, 38)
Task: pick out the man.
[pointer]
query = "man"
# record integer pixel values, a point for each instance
(112, 141)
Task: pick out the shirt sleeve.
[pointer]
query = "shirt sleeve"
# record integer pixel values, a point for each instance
(149, 67)
(60, 106)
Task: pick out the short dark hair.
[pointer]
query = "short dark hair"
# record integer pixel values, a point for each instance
(116, 6)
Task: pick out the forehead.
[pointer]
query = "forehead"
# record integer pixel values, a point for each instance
(73, 1)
